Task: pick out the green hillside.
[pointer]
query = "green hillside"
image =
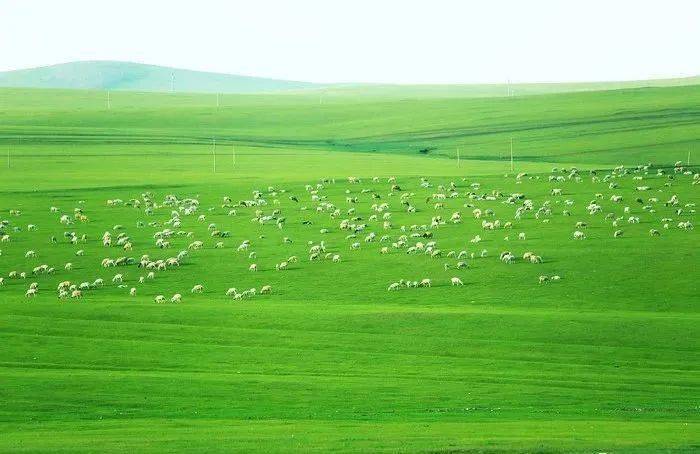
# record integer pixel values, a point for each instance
(497, 90)
(626, 126)
(115, 75)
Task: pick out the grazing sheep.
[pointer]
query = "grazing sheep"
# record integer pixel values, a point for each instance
(617, 234)
(118, 279)
(281, 266)
(426, 283)
(231, 291)
(253, 267)
(579, 235)
(132, 291)
(31, 292)
(456, 281)
(176, 298)
(151, 275)
(336, 258)
(521, 235)
(266, 289)
(394, 286)
(76, 294)
(654, 232)
(160, 299)
(199, 288)
(195, 245)
(685, 225)
(543, 279)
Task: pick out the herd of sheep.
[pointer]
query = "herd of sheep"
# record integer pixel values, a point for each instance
(172, 217)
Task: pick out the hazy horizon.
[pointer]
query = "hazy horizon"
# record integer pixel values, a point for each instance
(389, 42)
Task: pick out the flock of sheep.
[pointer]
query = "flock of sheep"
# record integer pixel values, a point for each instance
(173, 217)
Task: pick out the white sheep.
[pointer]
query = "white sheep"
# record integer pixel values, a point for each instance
(199, 288)
(456, 281)
(176, 298)
(281, 266)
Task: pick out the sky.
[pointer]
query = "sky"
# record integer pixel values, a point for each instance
(426, 41)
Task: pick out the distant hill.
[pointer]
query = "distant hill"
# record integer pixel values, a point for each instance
(115, 75)
(495, 90)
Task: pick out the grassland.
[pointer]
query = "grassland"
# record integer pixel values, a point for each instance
(604, 360)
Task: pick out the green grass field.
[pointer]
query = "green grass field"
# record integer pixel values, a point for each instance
(605, 359)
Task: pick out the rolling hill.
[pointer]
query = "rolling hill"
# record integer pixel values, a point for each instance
(115, 75)
(126, 76)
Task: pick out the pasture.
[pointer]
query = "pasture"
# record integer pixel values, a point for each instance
(604, 359)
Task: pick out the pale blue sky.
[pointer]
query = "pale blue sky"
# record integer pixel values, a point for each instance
(430, 41)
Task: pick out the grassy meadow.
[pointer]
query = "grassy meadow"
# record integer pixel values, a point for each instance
(606, 359)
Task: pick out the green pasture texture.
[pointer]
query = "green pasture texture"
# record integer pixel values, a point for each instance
(604, 360)
(609, 127)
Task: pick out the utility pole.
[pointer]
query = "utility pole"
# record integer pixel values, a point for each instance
(109, 101)
(217, 101)
(511, 154)
(213, 150)
(172, 82)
